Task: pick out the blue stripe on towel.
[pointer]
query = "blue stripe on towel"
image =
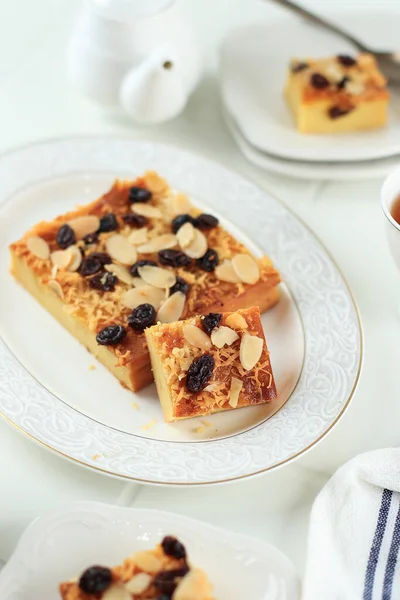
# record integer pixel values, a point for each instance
(392, 560)
(376, 544)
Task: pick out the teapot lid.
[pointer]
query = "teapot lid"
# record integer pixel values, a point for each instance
(128, 10)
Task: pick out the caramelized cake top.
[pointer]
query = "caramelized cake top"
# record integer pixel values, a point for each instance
(145, 209)
(176, 353)
(342, 78)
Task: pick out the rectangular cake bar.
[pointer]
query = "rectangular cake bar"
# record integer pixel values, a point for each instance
(140, 243)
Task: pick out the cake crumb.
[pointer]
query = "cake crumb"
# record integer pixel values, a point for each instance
(150, 424)
(96, 456)
(206, 423)
(199, 429)
(92, 367)
(134, 405)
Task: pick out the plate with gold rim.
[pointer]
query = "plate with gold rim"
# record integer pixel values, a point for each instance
(52, 390)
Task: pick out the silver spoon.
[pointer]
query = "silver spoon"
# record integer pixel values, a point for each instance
(389, 62)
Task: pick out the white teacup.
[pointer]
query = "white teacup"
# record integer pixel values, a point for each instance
(389, 193)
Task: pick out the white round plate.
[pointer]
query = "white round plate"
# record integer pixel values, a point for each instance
(48, 390)
(254, 63)
(368, 169)
(65, 542)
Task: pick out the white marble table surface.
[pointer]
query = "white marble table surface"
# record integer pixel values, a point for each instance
(36, 101)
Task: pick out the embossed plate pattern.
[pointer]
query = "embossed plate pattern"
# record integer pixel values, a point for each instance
(333, 342)
(63, 543)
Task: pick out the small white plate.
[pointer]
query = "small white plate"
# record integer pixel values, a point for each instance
(254, 63)
(368, 169)
(48, 391)
(65, 542)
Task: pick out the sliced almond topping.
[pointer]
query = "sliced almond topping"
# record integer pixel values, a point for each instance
(226, 272)
(196, 337)
(236, 321)
(185, 235)
(61, 258)
(355, 88)
(166, 240)
(38, 247)
(138, 236)
(121, 272)
(235, 389)
(246, 268)
(146, 210)
(138, 282)
(223, 336)
(56, 287)
(198, 246)
(194, 585)
(180, 204)
(76, 259)
(120, 249)
(54, 270)
(139, 583)
(143, 295)
(116, 592)
(171, 310)
(251, 348)
(160, 278)
(146, 561)
(84, 225)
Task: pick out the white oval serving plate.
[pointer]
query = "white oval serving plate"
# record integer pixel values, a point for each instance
(253, 69)
(48, 391)
(63, 543)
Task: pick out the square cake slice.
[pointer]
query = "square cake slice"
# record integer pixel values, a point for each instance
(150, 574)
(212, 363)
(139, 254)
(337, 94)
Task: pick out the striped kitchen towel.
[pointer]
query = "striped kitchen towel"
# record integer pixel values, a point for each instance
(354, 538)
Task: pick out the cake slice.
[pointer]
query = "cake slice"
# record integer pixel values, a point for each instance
(139, 254)
(160, 574)
(338, 94)
(211, 363)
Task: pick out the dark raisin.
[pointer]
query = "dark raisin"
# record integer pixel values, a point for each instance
(174, 258)
(173, 547)
(199, 373)
(142, 316)
(111, 335)
(65, 236)
(91, 238)
(205, 221)
(95, 580)
(299, 67)
(164, 597)
(211, 321)
(342, 83)
(337, 111)
(103, 257)
(141, 263)
(139, 194)
(135, 220)
(103, 281)
(319, 81)
(209, 261)
(164, 583)
(180, 286)
(346, 61)
(180, 220)
(108, 223)
(90, 266)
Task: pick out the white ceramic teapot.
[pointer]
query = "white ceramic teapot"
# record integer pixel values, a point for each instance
(139, 55)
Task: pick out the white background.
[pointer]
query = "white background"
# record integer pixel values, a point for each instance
(37, 101)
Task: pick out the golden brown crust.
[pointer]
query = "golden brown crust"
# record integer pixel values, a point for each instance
(175, 356)
(99, 309)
